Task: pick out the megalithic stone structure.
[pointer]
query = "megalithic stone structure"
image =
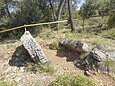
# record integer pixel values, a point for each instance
(95, 56)
(74, 45)
(33, 48)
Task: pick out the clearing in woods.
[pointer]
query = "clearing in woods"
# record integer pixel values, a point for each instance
(64, 62)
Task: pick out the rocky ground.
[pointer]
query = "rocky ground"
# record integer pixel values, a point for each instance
(19, 75)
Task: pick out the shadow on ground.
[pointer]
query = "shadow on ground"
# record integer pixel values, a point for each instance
(71, 57)
(20, 57)
(68, 54)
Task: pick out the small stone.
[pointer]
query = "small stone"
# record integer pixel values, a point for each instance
(17, 79)
(12, 74)
(95, 73)
(64, 68)
(87, 73)
(9, 52)
(21, 69)
(14, 69)
(7, 76)
(32, 74)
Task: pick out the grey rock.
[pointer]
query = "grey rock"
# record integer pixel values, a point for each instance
(33, 48)
(81, 47)
(87, 73)
(98, 54)
(76, 46)
(111, 55)
(95, 57)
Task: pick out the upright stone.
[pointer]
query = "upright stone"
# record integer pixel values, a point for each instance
(33, 48)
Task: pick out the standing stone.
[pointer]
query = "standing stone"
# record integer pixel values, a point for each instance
(33, 48)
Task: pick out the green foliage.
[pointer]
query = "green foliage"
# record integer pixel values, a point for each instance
(47, 68)
(103, 7)
(46, 33)
(54, 45)
(111, 21)
(71, 79)
(88, 9)
(109, 33)
(109, 64)
(31, 11)
(26, 12)
(6, 83)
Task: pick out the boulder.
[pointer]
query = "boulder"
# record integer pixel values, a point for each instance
(33, 48)
(76, 46)
(94, 56)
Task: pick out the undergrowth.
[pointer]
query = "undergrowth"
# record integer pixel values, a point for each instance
(54, 45)
(109, 65)
(83, 36)
(109, 33)
(41, 68)
(71, 79)
(6, 83)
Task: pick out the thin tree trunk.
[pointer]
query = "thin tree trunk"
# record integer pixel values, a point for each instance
(83, 23)
(59, 11)
(53, 11)
(71, 20)
(7, 10)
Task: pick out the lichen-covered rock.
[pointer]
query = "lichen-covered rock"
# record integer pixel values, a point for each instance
(95, 56)
(76, 46)
(98, 54)
(33, 48)
(81, 47)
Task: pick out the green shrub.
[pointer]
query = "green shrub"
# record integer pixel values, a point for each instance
(109, 33)
(46, 34)
(6, 83)
(71, 79)
(54, 45)
(111, 21)
(109, 65)
(47, 68)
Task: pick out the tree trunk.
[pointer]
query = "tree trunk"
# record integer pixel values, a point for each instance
(53, 11)
(59, 11)
(71, 20)
(7, 10)
(83, 23)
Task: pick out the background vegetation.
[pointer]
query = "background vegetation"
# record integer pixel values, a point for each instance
(20, 12)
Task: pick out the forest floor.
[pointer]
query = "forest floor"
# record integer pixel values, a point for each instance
(63, 61)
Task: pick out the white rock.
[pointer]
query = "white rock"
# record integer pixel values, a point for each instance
(22, 69)
(15, 68)
(17, 79)
(32, 74)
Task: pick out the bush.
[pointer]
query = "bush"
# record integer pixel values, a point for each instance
(109, 33)
(6, 83)
(71, 79)
(108, 65)
(47, 68)
(45, 33)
(54, 45)
(111, 21)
